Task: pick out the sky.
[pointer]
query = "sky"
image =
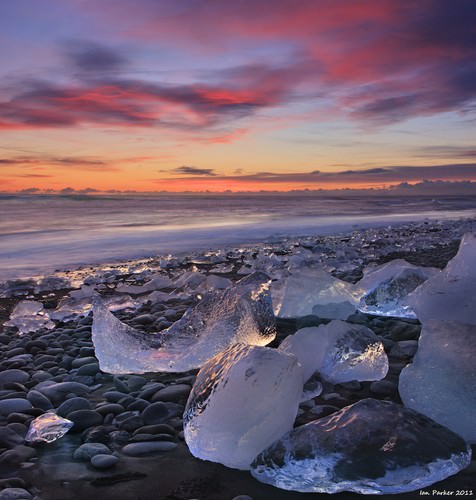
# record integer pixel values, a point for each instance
(243, 95)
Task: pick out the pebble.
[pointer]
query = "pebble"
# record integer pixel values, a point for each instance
(87, 450)
(78, 362)
(156, 429)
(83, 419)
(14, 405)
(147, 448)
(17, 455)
(156, 413)
(58, 392)
(15, 494)
(175, 392)
(71, 405)
(39, 400)
(383, 387)
(89, 369)
(102, 461)
(13, 375)
(113, 408)
(242, 497)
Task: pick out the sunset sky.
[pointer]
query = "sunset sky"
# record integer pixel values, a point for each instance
(154, 95)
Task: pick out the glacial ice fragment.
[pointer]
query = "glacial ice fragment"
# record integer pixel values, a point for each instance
(370, 447)
(339, 351)
(29, 316)
(450, 295)
(387, 286)
(310, 290)
(240, 314)
(441, 380)
(47, 428)
(242, 400)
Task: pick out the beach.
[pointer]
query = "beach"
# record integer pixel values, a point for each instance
(117, 411)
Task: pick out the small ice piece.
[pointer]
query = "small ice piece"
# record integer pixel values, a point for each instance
(240, 314)
(242, 400)
(371, 447)
(29, 316)
(314, 291)
(387, 286)
(450, 295)
(441, 379)
(159, 282)
(48, 428)
(339, 351)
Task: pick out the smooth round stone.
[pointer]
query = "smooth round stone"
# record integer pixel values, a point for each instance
(173, 393)
(138, 438)
(14, 405)
(88, 450)
(39, 400)
(383, 387)
(71, 405)
(148, 448)
(144, 319)
(17, 455)
(404, 348)
(9, 438)
(131, 424)
(58, 392)
(15, 494)
(101, 461)
(156, 413)
(135, 382)
(150, 390)
(156, 429)
(83, 419)
(113, 408)
(114, 396)
(78, 362)
(13, 375)
(242, 497)
(89, 369)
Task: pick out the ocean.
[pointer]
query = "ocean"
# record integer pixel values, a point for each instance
(41, 233)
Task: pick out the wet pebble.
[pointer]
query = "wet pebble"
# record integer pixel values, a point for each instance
(83, 419)
(87, 450)
(102, 461)
(176, 392)
(71, 405)
(13, 405)
(15, 494)
(156, 413)
(13, 375)
(383, 388)
(147, 448)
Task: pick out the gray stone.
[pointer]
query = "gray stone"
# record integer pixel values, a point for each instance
(15, 494)
(58, 392)
(89, 369)
(39, 400)
(177, 392)
(148, 448)
(102, 461)
(73, 404)
(83, 419)
(13, 375)
(156, 413)
(14, 405)
(87, 450)
(383, 387)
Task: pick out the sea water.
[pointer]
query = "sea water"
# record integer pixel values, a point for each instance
(41, 233)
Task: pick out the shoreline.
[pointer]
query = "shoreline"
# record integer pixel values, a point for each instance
(66, 354)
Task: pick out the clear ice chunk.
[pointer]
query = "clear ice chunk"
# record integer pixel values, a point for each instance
(339, 351)
(240, 314)
(242, 400)
(29, 316)
(47, 428)
(371, 447)
(441, 380)
(157, 283)
(387, 286)
(311, 290)
(450, 295)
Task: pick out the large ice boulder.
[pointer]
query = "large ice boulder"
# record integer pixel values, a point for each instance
(441, 380)
(242, 400)
(370, 447)
(386, 288)
(240, 314)
(339, 351)
(311, 290)
(450, 295)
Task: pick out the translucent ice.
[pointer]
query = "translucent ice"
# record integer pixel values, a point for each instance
(242, 400)
(29, 316)
(159, 282)
(371, 447)
(387, 286)
(310, 290)
(441, 380)
(450, 295)
(48, 428)
(339, 351)
(240, 314)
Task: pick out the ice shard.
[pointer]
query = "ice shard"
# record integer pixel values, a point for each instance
(339, 351)
(441, 380)
(386, 288)
(240, 314)
(310, 290)
(450, 294)
(242, 400)
(371, 447)
(47, 428)
(29, 316)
